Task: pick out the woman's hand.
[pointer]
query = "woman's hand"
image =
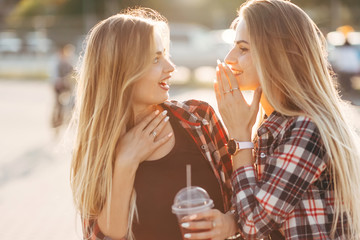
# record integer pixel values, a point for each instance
(142, 140)
(211, 224)
(238, 116)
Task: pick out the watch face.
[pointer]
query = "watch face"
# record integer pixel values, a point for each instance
(231, 147)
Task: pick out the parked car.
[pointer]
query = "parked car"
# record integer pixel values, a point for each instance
(10, 43)
(194, 46)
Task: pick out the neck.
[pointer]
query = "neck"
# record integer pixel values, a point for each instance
(266, 105)
(141, 112)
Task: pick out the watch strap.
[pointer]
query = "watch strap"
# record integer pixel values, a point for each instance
(244, 145)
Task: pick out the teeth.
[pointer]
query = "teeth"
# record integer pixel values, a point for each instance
(163, 83)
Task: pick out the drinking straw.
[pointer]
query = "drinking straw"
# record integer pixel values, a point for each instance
(188, 175)
(188, 182)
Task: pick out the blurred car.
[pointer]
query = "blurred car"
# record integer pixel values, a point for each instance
(37, 42)
(10, 43)
(194, 46)
(344, 56)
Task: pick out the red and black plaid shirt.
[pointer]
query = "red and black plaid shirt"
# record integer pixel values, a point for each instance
(200, 121)
(289, 188)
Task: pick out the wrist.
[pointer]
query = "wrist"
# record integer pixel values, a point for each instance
(234, 146)
(126, 166)
(241, 135)
(233, 229)
(242, 159)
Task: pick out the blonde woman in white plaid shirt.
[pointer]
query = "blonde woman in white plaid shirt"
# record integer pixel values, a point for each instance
(303, 177)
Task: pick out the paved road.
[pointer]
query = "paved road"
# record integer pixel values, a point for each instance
(35, 197)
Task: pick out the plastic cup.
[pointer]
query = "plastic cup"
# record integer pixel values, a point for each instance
(188, 201)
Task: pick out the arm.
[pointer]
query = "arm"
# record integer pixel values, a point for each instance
(119, 204)
(295, 164)
(98, 229)
(239, 117)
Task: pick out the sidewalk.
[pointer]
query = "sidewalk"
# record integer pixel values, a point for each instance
(35, 196)
(39, 205)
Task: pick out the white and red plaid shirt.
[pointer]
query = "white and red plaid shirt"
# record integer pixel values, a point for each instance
(290, 186)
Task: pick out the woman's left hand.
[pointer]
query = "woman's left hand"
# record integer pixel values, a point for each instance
(211, 224)
(239, 117)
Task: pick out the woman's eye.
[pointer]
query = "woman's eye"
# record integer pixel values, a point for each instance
(243, 50)
(156, 60)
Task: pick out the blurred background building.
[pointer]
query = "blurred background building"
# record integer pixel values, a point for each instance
(32, 30)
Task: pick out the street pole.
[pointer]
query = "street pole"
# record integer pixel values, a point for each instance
(111, 7)
(335, 14)
(89, 16)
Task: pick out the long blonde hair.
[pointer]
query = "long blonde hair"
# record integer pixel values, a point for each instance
(290, 56)
(119, 51)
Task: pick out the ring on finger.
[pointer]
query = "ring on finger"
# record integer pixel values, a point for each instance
(235, 88)
(153, 133)
(225, 92)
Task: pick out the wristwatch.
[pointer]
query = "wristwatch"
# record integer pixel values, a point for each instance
(234, 146)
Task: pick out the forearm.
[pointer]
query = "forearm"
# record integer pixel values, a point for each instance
(231, 224)
(113, 221)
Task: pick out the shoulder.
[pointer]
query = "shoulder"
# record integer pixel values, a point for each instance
(277, 121)
(301, 123)
(296, 134)
(285, 126)
(193, 103)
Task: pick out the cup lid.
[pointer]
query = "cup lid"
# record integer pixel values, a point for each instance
(191, 200)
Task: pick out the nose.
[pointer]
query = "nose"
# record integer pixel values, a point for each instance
(230, 57)
(169, 66)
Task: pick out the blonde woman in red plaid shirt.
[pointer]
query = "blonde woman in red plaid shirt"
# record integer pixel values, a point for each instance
(131, 139)
(302, 179)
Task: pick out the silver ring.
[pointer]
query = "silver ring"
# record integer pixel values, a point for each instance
(213, 224)
(153, 133)
(235, 88)
(227, 91)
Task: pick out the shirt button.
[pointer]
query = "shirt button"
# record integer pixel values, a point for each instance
(203, 147)
(262, 155)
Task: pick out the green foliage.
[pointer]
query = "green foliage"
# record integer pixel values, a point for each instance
(175, 10)
(27, 8)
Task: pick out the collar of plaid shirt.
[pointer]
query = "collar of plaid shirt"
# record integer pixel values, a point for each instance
(273, 124)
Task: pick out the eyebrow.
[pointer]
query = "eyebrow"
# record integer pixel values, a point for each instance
(159, 53)
(241, 41)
